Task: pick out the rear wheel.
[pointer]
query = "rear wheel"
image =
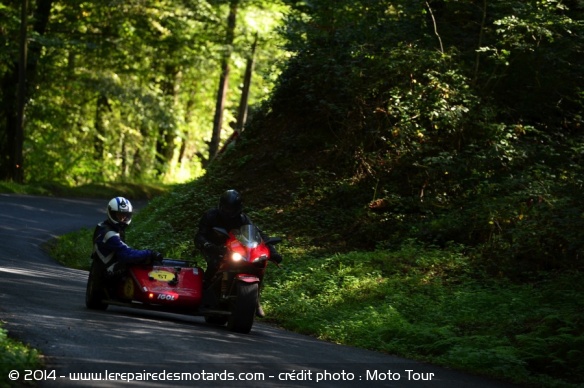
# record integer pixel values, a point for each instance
(94, 293)
(243, 308)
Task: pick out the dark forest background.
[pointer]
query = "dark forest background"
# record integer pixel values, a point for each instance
(422, 159)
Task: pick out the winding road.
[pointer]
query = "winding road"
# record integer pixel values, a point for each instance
(42, 304)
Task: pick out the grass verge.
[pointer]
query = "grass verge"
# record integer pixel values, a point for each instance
(93, 190)
(416, 301)
(16, 356)
(71, 249)
(422, 303)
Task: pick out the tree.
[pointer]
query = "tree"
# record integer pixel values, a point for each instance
(473, 138)
(124, 90)
(223, 80)
(17, 161)
(13, 102)
(244, 100)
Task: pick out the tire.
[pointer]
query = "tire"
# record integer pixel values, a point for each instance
(216, 320)
(243, 308)
(94, 293)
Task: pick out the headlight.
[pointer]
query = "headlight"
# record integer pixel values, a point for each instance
(236, 256)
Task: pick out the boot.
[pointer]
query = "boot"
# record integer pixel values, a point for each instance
(260, 311)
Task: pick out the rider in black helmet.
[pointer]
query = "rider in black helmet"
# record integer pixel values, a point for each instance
(230, 204)
(228, 215)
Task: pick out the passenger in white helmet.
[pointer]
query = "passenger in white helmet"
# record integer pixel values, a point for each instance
(109, 240)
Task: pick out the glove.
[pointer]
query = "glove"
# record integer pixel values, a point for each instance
(276, 257)
(213, 263)
(213, 250)
(156, 257)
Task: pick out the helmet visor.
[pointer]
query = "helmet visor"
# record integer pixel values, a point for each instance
(124, 217)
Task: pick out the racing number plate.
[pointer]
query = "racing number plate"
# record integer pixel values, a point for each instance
(163, 276)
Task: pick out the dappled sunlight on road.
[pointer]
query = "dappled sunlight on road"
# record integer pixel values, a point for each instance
(47, 271)
(43, 303)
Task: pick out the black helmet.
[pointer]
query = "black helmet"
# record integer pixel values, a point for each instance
(230, 204)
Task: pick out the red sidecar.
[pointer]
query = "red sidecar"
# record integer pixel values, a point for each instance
(170, 286)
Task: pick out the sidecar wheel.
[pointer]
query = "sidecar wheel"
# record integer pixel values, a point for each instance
(94, 293)
(243, 308)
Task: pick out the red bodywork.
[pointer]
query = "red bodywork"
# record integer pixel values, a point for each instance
(231, 295)
(164, 285)
(249, 253)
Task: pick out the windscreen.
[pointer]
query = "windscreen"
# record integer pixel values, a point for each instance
(248, 235)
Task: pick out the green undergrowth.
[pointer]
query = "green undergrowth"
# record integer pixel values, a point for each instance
(438, 304)
(16, 356)
(72, 249)
(420, 302)
(90, 190)
(428, 304)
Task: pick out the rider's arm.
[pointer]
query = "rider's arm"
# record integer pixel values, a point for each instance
(123, 253)
(202, 233)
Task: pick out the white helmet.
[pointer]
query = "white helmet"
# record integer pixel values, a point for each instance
(119, 210)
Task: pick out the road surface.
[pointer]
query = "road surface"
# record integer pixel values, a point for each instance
(42, 303)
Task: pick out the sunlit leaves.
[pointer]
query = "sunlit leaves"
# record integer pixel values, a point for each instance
(15, 355)
(136, 79)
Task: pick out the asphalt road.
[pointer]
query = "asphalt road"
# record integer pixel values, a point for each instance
(42, 304)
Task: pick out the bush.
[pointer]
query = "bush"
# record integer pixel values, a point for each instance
(16, 356)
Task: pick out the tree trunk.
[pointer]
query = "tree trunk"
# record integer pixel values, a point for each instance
(101, 107)
(17, 170)
(16, 93)
(244, 102)
(9, 109)
(223, 81)
(165, 142)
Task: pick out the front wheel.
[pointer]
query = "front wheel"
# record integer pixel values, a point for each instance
(94, 293)
(243, 308)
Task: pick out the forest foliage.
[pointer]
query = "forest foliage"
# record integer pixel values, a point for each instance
(406, 150)
(455, 121)
(440, 121)
(423, 160)
(125, 90)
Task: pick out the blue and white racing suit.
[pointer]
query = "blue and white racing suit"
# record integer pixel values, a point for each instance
(110, 248)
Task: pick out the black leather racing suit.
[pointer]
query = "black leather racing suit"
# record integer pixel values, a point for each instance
(211, 243)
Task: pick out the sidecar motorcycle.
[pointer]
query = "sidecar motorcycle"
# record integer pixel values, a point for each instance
(176, 286)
